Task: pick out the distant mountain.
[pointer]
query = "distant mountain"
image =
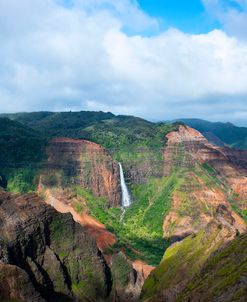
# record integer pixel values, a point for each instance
(220, 133)
(106, 129)
(121, 129)
(59, 123)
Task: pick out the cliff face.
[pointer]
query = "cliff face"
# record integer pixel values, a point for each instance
(64, 201)
(209, 266)
(86, 164)
(188, 146)
(128, 277)
(142, 164)
(209, 176)
(46, 256)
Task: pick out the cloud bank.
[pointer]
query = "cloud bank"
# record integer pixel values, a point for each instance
(97, 55)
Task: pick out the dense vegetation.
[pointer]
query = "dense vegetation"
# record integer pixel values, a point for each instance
(53, 124)
(107, 129)
(139, 229)
(135, 234)
(19, 144)
(134, 142)
(131, 140)
(22, 150)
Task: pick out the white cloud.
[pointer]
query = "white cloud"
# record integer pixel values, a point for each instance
(231, 14)
(79, 58)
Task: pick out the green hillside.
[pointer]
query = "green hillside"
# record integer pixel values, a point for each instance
(54, 124)
(195, 270)
(22, 149)
(19, 144)
(130, 140)
(104, 128)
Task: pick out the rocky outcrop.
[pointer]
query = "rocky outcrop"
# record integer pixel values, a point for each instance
(209, 177)
(209, 266)
(46, 256)
(86, 164)
(187, 147)
(128, 278)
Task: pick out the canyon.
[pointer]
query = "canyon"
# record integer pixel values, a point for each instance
(100, 220)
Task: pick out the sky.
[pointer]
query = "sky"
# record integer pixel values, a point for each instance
(159, 59)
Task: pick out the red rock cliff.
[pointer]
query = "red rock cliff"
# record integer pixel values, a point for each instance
(188, 146)
(86, 164)
(208, 177)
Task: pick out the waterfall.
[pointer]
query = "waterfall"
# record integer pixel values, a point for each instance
(126, 201)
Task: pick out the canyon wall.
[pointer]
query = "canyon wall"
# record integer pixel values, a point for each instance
(209, 266)
(51, 255)
(85, 164)
(208, 177)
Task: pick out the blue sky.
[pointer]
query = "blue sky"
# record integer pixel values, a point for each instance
(158, 59)
(188, 16)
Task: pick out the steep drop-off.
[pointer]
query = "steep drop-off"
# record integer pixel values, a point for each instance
(209, 266)
(181, 185)
(209, 176)
(50, 254)
(83, 163)
(127, 276)
(187, 147)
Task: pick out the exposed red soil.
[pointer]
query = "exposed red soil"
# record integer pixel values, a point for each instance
(143, 268)
(92, 226)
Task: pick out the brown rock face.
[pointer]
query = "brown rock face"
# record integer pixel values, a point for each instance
(46, 256)
(146, 164)
(190, 147)
(86, 164)
(16, 284)
(209, 177)
(187, 147)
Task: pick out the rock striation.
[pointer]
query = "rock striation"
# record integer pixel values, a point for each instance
(187, 146)
(209, 177)
(86, 164)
